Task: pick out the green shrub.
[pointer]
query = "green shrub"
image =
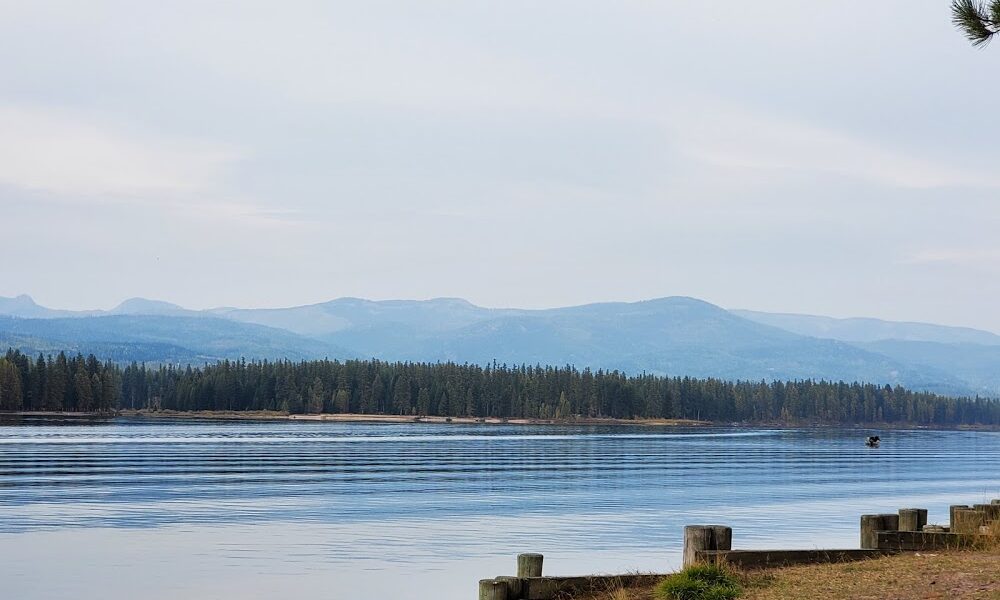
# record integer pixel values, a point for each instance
(700, 582)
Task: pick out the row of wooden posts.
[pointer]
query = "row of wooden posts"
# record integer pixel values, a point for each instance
(962, 519)
(510, 588)
(905, 530)
(881, 534)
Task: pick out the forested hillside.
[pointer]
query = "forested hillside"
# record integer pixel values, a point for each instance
(448, 389)
(666, 336)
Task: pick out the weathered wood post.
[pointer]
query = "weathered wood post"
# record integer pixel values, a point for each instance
(967, 520)
(912, 519)
(515, 586)
(696, 537)
(722, 537)
(493, 589)
(705, 537)
(991, 512)
(872, 524)
(951, 513)
(529, 565)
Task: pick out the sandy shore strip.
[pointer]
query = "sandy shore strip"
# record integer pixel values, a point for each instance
(361, 418)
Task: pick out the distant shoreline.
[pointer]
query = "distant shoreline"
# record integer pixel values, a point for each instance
(265, 415)
(57, 413)
(363, 418)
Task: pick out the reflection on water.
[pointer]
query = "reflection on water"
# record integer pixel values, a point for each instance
(158, 509)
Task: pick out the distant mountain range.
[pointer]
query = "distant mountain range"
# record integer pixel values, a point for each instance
(673, 336)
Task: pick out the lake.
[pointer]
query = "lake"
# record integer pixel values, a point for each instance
(166, 509)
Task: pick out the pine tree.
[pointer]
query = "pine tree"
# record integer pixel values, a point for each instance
(401, 396)
(317, 393)
(56, 383)
(343, 401)
(36, 389)
(84, 391)
(376, 398)
(285, 393)
(110, 389)
(563, 410)
(11, 395)
(423, 401)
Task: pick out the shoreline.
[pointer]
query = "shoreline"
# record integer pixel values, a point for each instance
(264, 415)
(59, 413)
(363, 418)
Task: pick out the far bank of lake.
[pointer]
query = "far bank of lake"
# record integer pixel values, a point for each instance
(264, 415)
(370, 418)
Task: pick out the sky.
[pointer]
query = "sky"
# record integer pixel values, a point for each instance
(832, 157)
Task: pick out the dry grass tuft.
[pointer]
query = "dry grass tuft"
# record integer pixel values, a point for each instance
(991, 541)
(620, 594)
(617, 589)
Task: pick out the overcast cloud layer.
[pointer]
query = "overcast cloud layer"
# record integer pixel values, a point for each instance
(833, 157)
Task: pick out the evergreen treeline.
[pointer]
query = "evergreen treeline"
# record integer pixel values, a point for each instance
(58, 384)
(377, 387)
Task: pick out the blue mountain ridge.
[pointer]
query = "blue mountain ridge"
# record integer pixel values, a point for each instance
(666, 336)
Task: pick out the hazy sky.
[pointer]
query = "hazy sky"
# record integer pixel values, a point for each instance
(836, 156)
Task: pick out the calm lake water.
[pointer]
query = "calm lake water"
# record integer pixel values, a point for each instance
(196, 510)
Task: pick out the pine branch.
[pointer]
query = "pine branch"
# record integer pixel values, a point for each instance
(976, 20)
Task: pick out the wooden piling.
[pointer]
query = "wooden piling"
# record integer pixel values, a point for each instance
(722, 537)
(493, 589)
(705, 537)
(529, 565)
(515, 586)
(872, 524)
(696, 537)
(912, 519)
(991, 512)
(951, 512)
(967, 520)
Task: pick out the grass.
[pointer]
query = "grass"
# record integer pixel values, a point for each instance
(991, 541)
(952, 575)
(699, 582)
(948, 575)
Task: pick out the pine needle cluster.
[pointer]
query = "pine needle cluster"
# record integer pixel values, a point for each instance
(979, 20)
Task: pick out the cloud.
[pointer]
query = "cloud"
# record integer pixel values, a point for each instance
(77, 154)
(735, 138)
(972, 257)
(324, 149)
